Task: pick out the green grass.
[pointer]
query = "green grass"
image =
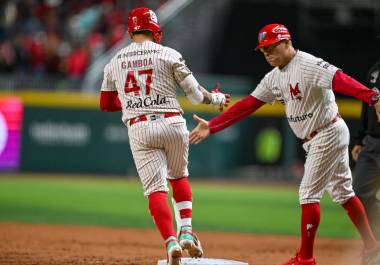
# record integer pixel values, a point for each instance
(115, 202)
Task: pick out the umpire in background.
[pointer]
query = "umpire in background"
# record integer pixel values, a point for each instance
(366, 153)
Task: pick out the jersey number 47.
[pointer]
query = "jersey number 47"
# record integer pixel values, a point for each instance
(131, 82)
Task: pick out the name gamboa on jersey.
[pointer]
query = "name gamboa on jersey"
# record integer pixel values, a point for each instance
(304, 87)
(145, 76)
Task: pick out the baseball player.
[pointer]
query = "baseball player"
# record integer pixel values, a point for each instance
(141, 82)
(304, 84)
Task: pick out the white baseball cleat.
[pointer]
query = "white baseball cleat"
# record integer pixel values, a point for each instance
(190, 242)
(174, 251)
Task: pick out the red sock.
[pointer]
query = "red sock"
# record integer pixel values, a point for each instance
(358, 216)
(311, 214)
(183, 197)
(181, 189)
(161, 213)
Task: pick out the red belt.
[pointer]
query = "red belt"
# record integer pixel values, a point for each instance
(314, 133)
(152, 117)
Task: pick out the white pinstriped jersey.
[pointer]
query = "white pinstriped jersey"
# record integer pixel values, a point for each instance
(304, 87)
(145, 75)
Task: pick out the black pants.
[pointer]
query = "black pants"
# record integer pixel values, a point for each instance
(367, 180)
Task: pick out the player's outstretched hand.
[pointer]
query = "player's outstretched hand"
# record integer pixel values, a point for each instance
(377, 107)
(220, 98)
(200, 132)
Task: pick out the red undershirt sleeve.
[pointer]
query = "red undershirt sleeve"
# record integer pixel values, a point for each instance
(109, 101)
(235, 113)
(346, 85)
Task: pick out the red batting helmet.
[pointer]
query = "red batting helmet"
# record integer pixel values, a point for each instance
(271, 34)
(142, 18)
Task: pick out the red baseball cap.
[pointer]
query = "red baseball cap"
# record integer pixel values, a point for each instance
(143, 18)
(271, 34)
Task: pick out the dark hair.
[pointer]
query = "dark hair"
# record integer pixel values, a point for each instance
(143, 32)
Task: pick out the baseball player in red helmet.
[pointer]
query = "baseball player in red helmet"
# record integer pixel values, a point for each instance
(141, 82)
(305, 85)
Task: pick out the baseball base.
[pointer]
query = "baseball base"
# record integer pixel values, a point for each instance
(204, 261)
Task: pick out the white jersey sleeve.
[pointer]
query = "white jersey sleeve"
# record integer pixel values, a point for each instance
(263, 90)
(108, 83)
(319, 73)
(180, 69)
(185, 79)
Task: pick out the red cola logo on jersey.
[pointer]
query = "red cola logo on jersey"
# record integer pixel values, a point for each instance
(146, 102)
(295, 92)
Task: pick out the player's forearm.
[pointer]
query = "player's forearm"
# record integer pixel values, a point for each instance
(192, 89)
(345, 84)
(109, 101)
(206, 95)
(236, 113)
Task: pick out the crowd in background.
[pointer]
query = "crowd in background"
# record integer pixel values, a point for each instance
(49, 44)
(60, 37)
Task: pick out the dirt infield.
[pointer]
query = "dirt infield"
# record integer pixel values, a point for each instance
(59, 245)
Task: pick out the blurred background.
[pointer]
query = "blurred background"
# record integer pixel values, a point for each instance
(52, 55)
